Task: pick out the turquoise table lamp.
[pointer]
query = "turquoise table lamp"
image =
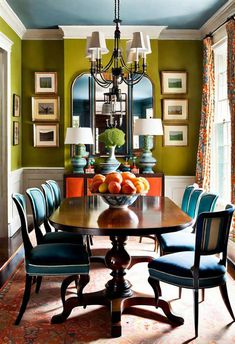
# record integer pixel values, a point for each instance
(79, 137)
(148, 127)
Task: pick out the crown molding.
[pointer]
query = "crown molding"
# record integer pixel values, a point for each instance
(169, 34)
(43, 34)
(11, 18)
(5, 42)
(218, 18)
(73, 32)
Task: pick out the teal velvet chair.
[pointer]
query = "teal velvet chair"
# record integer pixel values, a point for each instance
(184, 206)
(61, 259)
(56, 192)
(49, 198)
(40, 219)
(185, 240)
(201, 268)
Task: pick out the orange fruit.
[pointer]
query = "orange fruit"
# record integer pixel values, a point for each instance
(113, 177)
(128, 176)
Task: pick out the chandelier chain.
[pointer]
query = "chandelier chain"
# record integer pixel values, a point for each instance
(117, 10)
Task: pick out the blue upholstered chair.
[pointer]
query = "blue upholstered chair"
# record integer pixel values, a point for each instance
(198, 269)
(61, 259)
(40, 220)
(185, 240)
(184, 206)
(49, 198)
(56, 192)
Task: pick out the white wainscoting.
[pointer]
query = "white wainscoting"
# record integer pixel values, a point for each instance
(25, 178)
(15, 185)
(28, 177)
(175, 185)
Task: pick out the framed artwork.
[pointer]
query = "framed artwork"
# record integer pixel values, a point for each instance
(45, 82)
(45, 109)
(16, 105)
(16, 133)
(174, 82)
(175, 109)
(175, 135)
(46, 135)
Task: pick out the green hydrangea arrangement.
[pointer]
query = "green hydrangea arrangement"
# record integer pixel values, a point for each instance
(112, 137)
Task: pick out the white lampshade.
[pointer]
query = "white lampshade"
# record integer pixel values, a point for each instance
(131, 55)
(97, 41)
(147, 44)
(79, 135)
(148, 126)
(138, 41)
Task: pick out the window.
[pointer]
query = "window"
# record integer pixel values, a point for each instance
(221, 130)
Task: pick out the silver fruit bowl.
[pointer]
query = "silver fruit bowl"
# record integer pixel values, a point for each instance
(119, 200)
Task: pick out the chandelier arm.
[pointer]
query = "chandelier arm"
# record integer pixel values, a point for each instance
(132, 82)
(108, 65)
(129, 70)
(104, 84)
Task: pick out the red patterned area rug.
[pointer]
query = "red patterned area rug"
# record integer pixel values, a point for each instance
(92, 325)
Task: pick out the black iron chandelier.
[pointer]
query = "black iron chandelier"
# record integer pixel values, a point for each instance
(117, 70)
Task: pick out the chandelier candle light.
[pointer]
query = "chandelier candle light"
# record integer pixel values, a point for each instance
(79, 137)
(148, 127)
(116, 71)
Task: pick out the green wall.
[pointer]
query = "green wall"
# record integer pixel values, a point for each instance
(68, 59)
(40, 56)
(183, 55)
(16, 157)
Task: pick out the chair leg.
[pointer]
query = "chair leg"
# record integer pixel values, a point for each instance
(91, 240)
(203, 295)
(88, 245)
(156, 288)
(64, 285)
(28, 283)
(224, 293)
(180, 292)
(140, 240)
(196, 312)
(83, 281)
(38, 284)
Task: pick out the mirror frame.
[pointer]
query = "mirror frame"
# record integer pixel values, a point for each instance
(129, 120)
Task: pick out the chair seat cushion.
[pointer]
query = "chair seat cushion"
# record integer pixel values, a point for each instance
(58, 259)
(177, 242)
(62, 237)
(175, 269)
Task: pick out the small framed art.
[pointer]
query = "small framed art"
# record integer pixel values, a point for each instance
(16, 133)
(175, 135)
(45, 109)
(175, 109)
(46, 135)
(16, 105)
(174, 82)
(45, 82)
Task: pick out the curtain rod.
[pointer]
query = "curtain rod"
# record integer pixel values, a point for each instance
(210, 34)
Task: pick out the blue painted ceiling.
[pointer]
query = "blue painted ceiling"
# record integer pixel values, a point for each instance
(176, 14)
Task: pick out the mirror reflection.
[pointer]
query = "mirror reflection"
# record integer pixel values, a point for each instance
(90, 108)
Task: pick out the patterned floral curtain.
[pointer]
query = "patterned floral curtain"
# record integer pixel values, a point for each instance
(231, 97)
(207, 117)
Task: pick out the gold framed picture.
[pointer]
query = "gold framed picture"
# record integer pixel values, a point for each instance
(16, 105)
(45, 82)
(45, 109)
(174, 82)
(16, 133)
(46, 135)
(175, 109)
(175, 135)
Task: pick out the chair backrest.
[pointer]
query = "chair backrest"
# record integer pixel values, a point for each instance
(187, 192)
(56, 191)
(20, 203)
(207, 202)
(212, 231)
(193, 203)
(49, 198)
(38, 205)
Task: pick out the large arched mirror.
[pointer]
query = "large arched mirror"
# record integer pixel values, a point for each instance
(87, 100)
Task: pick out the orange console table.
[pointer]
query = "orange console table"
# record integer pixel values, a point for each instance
(77, 185)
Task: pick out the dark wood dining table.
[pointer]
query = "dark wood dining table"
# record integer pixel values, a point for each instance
(89, 215)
